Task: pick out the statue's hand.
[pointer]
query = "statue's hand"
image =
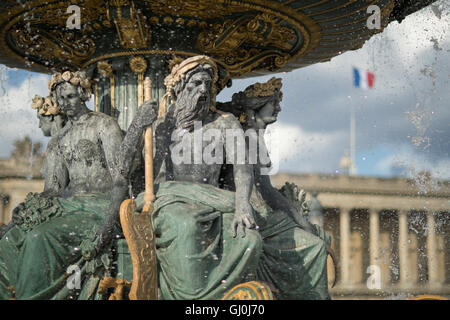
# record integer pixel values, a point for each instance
(147, 113)
(300, 215)
(88, 249)
(95, 245)
(243, 218)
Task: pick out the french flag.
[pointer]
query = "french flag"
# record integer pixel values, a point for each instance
(364, 80)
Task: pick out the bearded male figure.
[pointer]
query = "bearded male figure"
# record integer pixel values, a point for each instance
(208, 238)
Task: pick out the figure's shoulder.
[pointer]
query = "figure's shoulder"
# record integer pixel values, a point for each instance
(104, 125)
(52, 145)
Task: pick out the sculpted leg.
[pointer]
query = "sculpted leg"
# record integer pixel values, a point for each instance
(198, 257)
(57, 242)
(9, 253)
(294, 262)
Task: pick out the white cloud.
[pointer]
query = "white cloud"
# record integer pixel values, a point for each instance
(413, 162)
(314, 123)
(292, 148)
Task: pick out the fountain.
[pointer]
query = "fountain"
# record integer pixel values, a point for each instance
(129, 47)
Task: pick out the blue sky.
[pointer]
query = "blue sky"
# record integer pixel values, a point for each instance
(411, 98)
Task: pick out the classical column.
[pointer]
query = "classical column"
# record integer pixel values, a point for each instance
(96, 109)
(120, 85)
(432, 254)
(374, 225)
(345, 245)
(384, 259)
(405, 279)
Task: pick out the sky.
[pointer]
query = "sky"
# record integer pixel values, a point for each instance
(402, 124)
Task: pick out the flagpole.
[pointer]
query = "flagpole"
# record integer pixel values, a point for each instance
(366, 82)
(357, 84)
(352, 170)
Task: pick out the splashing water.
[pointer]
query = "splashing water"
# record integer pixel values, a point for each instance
(30, 175)
(3, 79)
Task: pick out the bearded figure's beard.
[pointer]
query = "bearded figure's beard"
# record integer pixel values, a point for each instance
(190, 108)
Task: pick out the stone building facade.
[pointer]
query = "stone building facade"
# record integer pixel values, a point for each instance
(391, 235)
(19, 175)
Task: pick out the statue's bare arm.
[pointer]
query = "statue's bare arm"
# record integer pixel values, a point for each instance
(111, 138)
(243, 178)
(120, 154)
(132, 144)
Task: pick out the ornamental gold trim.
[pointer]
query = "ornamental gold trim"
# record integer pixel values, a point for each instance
(205, 9)
(96, 97)
(230, 39)
(130, 24)
(259, 45)
(106, 71)
(253, 290)
(138, 232)
(139, 65)
(17, 14)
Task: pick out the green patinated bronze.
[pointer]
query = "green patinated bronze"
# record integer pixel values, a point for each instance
(52, 244)
(199, 258)
(200, 255)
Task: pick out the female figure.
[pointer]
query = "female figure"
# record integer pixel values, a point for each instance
(51, 120)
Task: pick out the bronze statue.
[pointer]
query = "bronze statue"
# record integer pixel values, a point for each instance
(51, 120)
(74, 219)
(202, 205)
(218, 220)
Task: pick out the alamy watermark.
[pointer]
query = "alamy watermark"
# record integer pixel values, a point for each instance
(74, 21)
(230, 146)
(374, 21)
(374, 281)
(74, 280)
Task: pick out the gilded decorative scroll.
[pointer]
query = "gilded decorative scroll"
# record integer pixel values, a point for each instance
(131, 26)
(245, 37)
(252, 290)
(62, 48)
(248, 38)
(205, 9)
(138, 232)
(106, 70)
